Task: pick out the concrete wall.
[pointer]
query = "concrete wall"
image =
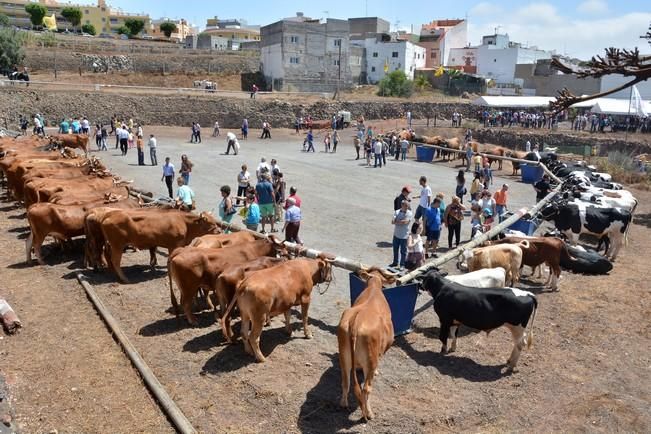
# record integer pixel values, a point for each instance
(360, 27)
(550, 83)
(409, 57)
(454, 37)
(613, 80)
(465, 58)
(499, 63)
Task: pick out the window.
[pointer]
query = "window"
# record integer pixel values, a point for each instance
(372, 68)
(293, 39)
(375, 54)
(294, 60)
(337, 42)
(336, 62)
(86, 11)
(433, 55)
(394, 54)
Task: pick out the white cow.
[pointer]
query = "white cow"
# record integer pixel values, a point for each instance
(485, 278)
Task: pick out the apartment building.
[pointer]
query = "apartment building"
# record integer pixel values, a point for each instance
(439, 37)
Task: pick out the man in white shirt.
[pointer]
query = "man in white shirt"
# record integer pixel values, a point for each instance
(38, 127)
(152, 149)
(263, 167)
(123, 134)
(243, 179)
(230, 140)
(215, 131)
(274, 165)
(425, 197)
(377, 150)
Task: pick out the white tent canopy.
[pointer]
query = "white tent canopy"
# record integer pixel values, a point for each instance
(599, 105)
(611, 106)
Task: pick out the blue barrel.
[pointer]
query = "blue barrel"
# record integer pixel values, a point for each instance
(527, 227)
(425, 153)
(401, 299)
(531, 174)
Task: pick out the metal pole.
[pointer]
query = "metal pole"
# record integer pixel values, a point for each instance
(630, 98)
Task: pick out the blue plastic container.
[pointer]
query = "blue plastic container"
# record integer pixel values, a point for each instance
(401, 299)
(425, 153)
(527, 227)
(531, 174)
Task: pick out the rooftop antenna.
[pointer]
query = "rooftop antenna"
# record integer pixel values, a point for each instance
(497, 28)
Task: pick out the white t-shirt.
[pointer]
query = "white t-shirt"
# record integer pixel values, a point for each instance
(378, 147)
(152, 142)
(262, 166)
(230, 136)
(418, 245)
(243, 178)
(425, 196)
(37, 122)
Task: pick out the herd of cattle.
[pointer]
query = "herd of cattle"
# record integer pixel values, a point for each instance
(68, 196)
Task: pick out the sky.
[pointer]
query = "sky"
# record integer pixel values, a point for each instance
(577, 28)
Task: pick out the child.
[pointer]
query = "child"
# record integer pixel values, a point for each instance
(475, 187)
(487, 175)
(486, 220)
(475, 218)
(433, 216)
(252, 218)
(414, 248)
(441, 197)
(477, 160)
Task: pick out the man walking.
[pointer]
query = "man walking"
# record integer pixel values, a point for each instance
(123, 134)
(168, 176)
(377, 150)
(197, 134)
(400, 222)
(265, 193)
(230, 140)
(215, 131)
(152, 149)
(310, 141)
(404, 146)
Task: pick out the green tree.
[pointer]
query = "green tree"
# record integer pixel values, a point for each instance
(11, 51)
(124, 30)
(4, 20)
(168, 28)
(73, 15)
(89, 28)
(396, 83)
(36, 13)
(421, 83)
(134, 25)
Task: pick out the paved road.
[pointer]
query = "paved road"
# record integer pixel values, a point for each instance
(347, 207)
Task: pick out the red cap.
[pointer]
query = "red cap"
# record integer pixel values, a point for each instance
(407, 188)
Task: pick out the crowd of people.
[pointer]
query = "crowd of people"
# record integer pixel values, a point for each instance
(519, 118)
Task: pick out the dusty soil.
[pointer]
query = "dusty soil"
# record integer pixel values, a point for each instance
(588, 370)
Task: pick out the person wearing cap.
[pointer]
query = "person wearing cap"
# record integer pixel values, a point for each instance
(404, 195)
(400, 222)
(292, 222)
(432, 217)
(501, 197)
(542, 188)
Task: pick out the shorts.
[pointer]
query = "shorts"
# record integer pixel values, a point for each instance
(433, 235)
(266, 209)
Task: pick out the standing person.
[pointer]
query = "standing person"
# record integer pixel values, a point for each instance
(215, 130)
(193, 135)
(415, 248)
(98, 137)
(433, 217)
(377, 150)
(400, 222)
(425, 197)
(168, 175)
(38, 127)
(245, 128)
(409, 119)
(487, 202)
(292, 222)
(252, 213)
(139, 133)
(542, 188)
(527, 147)
(184, 196)
(226, 208)
(141, 151)
(460, 190)
(152, 143)
(197, 135)
(310, 140)
(186, 169)
(501, 197)
(123, 134)
(487, 174)
(475, 187)
(104, 135)
(326, 142)
(404, 146)
(293, 195)
(357, 143)
(130, 142)
(85, 126)
(64, 126)
(243, 180)
(274, 166)
(265, 194)
(404, 195)
(262, 169)
(230, 140)
(452, 219)
(469, 153)
(254, 90)
(335, 140)
(279, 194)
(23, 125)
(385, 149)
(113, 120)
(130, 124)
(477, 160)
(117, 136)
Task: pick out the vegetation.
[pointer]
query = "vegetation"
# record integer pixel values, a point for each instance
(89, 28)
(396, 83)
(623, 168)
(11, 52)
(4, 20)
(168, 28)
(36, 13)
(124, 30)
(421, 83)
(134, 25)
(73, 15)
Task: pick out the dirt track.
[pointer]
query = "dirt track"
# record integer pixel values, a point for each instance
(588, 370)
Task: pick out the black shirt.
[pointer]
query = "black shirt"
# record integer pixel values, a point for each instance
(397, 202)
(543, 188)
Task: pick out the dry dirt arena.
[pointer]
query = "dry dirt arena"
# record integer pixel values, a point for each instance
(588, 371)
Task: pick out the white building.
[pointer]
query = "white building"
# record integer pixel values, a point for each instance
(392, 55)
(497, 57)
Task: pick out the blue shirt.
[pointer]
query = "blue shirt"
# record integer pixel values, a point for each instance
(75, 127)
(265, 192)
(253, 215)
(293, 214)
(433, 218)
(168, 169)
(186, 195)
(64, 127)
(310, 137)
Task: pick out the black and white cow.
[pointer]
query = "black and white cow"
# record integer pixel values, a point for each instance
(573, 220)
(586, 261)
(483, 309)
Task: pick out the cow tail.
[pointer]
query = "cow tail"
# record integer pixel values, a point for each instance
(229, 309)
(356, 387)
(533, 318)
(524, 244)
(628, 226)
(175, 304)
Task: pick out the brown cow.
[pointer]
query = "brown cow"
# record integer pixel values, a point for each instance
(542, 250)
(193, 268)
(497, 151)
(218, 241)
(80, 198)
(507, 256)
(60, 221)
(365, 333)
(41, 191)
(75, 141)
(228, 281)
(151, 228)
(515, 165)
(267, 293)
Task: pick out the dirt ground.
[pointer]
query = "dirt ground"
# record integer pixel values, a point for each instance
(588, 371)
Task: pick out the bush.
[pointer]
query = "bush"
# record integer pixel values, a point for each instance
(396, 83)
(89, 28)
(422, 83)
(11, 51)
(123, 30)
(36, 13)
(4, 20)
(623, 168)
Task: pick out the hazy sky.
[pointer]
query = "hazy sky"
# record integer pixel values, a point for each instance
(578, 28)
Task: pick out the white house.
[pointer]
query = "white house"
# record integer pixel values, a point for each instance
(392, 55)
(497, 57)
